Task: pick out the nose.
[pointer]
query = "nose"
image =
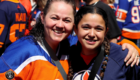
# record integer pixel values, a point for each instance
(60, 24)
(91, 33)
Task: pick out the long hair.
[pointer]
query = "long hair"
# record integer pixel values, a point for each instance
(93, 10)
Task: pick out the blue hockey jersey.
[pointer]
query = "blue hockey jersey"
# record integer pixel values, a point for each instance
(29, 60)
(128, 17)
(12, 22)
(115, 69)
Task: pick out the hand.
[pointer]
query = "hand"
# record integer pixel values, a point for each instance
(132, 56)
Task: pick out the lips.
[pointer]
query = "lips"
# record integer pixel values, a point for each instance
(90, 41)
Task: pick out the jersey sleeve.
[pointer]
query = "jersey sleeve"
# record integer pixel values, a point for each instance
(3, 27)
(129, 42)
(122, 11)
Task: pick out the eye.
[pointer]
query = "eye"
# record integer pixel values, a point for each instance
(99, 28)
(54, 18)
(67, 21)
(86, 26)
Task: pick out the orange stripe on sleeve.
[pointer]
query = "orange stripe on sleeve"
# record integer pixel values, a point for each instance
(129, 42)
(131, 35)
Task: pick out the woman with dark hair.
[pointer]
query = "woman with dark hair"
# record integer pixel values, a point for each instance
(29, 58)
(94, 49)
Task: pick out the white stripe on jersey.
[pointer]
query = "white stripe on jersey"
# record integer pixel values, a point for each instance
(130, 30)
(29, 60)
(120, 20)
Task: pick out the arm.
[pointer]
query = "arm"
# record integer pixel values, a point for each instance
(133, 52)
(114, 40)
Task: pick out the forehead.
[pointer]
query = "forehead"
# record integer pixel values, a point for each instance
(61, 8)
(93, 19)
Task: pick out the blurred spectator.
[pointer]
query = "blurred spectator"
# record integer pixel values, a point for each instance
(128, 18)
(28, 7)
(73, 37)
(37, 8)
(12, 22)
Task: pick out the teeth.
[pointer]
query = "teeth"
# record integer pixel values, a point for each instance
(91, 40)
(58, 31)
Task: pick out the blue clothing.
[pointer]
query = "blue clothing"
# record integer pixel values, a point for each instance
(116, 68)
(29, 60)
(128, 18)
(13, 22)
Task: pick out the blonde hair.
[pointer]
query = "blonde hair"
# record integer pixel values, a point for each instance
(41, 4)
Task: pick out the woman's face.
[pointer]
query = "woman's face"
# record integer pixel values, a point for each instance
(58, 22)
(91, 31)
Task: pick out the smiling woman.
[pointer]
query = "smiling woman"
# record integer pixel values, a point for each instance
(30, 60)
(58, 23)
(94, 57)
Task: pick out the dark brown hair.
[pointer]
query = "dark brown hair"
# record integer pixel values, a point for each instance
(93, 10)
(38, 30)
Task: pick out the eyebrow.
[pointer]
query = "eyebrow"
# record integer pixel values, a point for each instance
(58, 16)
(100, 26)
(68, 18)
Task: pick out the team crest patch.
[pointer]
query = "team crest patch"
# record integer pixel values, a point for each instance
(83, 75)
(9, 75)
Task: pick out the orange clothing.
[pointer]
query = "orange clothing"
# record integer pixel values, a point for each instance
(30, 61)
(130, 42)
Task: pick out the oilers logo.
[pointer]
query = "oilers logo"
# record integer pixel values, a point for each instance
(83, 75)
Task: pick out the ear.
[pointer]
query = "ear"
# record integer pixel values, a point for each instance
(75, 29)
(106, 30)
(42, 17)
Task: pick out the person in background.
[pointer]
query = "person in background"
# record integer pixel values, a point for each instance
(128, 19)
(72, 37)
(28, 7)
(13, 21)
(91, 26)
(110, 3)
(40, 4)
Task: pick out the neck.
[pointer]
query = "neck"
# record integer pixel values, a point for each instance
(54, 46)
(89, 52)
(91, 2)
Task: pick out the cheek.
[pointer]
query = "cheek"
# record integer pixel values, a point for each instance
(101, 35)
(49, 24)
(69, 27)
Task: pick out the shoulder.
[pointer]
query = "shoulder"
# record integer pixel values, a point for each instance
(26, 45)
(116, 53)
(21, 49)
(22, 52)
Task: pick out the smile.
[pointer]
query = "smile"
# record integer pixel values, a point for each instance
(58, 32)
(91, 42)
